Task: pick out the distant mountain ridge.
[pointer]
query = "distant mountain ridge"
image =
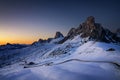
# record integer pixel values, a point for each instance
(9, 46)
(88, 29)
(58, 37)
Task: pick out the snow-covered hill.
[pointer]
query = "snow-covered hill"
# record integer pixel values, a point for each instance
(89, 61)
(81, 55)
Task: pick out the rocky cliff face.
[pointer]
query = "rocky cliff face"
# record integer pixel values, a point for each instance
(93, 30)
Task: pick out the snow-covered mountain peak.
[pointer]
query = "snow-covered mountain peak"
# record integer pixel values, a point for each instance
(95, 31)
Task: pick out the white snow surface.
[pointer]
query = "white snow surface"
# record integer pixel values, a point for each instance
(88, 61)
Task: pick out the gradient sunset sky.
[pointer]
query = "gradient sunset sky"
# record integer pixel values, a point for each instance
(25, 21)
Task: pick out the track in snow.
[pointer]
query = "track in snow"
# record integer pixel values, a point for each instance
(52, 63)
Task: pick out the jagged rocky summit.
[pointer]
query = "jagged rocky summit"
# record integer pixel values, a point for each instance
(95, 31)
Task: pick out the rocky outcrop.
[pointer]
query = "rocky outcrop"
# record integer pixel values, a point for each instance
(93, 30)
(40, 42)
(58, 35)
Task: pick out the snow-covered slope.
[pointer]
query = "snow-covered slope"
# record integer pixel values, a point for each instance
(13, 53)
(81, 62)
(8, 57)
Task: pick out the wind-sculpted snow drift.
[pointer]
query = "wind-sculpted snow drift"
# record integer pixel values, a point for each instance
(88, 52)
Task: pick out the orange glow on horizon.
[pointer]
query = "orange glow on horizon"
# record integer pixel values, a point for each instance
(16, 42)
(21, 35)
(16, 37)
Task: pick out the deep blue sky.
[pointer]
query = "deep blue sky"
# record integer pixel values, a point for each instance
(42, 18)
